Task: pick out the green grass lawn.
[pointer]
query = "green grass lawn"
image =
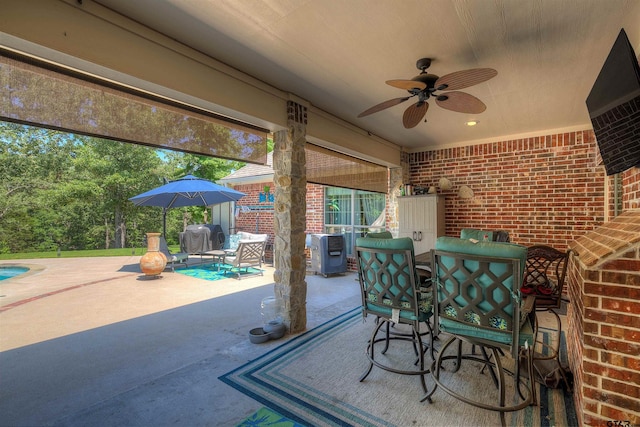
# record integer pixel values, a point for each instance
(83, 254)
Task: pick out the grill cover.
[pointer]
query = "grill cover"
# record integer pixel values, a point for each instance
(201, 238)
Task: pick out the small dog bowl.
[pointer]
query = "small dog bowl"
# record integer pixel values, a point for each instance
(258, 336)
(275, 329)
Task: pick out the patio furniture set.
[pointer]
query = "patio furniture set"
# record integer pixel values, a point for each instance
(482, 291)
(244, 251)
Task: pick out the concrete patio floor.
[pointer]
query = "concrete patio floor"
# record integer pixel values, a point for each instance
(91, 341)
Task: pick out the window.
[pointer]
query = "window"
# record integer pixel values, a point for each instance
(353, 213)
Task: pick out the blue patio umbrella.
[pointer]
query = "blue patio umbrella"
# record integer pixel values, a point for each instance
(186, 191)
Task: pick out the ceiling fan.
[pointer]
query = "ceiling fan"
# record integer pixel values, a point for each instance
(425, 86)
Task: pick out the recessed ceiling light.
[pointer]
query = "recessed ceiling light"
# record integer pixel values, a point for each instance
(472, 123)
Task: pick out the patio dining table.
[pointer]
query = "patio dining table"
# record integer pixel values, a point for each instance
(423, 266)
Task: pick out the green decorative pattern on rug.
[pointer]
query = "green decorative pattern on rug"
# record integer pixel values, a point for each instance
(213, 272)
(267, 417)
(313, 380)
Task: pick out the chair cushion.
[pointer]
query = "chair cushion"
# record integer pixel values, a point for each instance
(497, 328)
(425, 305)
(252, 236)
(402, 243)
(181, 256)
(492, 334)
(490, 249)
(233, 241)
(380, 235)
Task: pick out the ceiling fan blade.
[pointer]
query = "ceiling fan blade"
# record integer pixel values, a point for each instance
(465, 78)
(383, 105)
(414, 114)
(407, 84)
(461, 102)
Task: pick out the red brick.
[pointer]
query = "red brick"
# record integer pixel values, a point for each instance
(621, 305)
(627, 395)
(627, 417)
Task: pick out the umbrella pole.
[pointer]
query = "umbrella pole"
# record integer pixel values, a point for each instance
(164, 222)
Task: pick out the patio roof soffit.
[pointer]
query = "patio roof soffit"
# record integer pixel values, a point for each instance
(92, 39)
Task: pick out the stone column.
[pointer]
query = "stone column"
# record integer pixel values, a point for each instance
(395, 184)
(397, 177)
(290, 179)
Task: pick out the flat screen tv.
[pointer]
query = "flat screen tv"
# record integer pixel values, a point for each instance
(614, 108)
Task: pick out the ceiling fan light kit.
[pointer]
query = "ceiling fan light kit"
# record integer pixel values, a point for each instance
(424, 87)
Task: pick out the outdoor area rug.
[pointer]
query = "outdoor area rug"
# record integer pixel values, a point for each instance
(313, 380)
(212, 272)
(267, 417)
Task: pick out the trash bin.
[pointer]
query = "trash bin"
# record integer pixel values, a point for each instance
(328, 254)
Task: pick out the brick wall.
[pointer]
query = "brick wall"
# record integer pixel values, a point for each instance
(631, 189)
(315, 212)
(256, 221)
(546, 189)
(246, 221)
(603, 336)
(315, 208)
(575, 335)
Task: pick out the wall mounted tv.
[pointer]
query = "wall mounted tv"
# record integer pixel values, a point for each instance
(614, 108)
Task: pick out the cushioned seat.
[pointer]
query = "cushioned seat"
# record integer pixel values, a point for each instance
(249, 253)
(477, 300)
(242, 236)
(380, 235)
(390, 291)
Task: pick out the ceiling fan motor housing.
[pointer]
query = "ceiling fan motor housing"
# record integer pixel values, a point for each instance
(428, 79)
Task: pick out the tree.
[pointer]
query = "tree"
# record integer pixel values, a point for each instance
(34, 160)
(120, 171)
(66, 191)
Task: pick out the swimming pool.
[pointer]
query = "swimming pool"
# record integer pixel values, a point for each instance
(7, 272)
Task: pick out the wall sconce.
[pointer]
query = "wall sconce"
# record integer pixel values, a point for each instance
(444, 184)
(465, 192)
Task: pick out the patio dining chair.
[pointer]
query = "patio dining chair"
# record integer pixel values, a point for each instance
(544, 277)
(477, 300)
(391, 292)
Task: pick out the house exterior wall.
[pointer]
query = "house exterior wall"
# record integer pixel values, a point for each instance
(546, 189)
(261, 221)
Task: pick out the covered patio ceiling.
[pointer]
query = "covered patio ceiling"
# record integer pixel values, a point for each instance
(338, 54)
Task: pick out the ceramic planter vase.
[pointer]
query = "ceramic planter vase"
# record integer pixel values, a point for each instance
(153, 262)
